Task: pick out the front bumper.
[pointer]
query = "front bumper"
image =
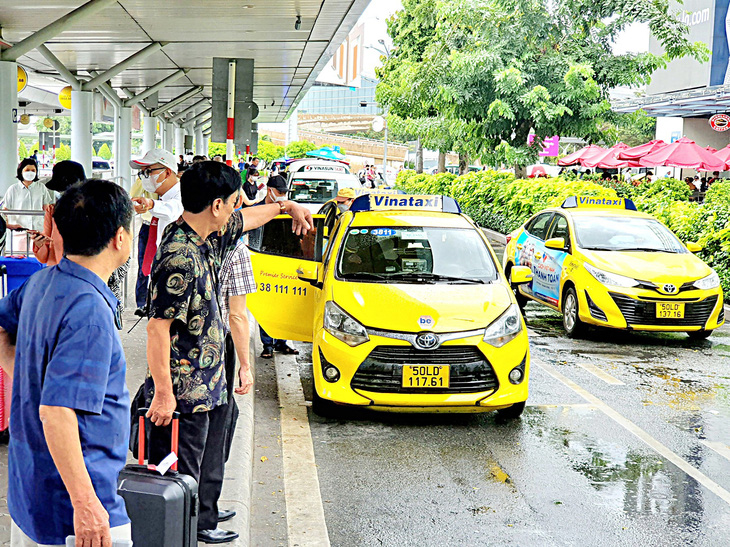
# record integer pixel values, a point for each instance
(370, 374)
(635, 308)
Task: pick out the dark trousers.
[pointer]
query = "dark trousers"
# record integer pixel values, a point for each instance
(201, 455)
(140, 291)
(231, 382)
(268, 341)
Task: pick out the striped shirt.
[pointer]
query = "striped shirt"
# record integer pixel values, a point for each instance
(236, 278)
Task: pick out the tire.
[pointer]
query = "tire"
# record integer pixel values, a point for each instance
(521, 299)
(323, 407)
(512, 412)
(572, 324)
(699, 334)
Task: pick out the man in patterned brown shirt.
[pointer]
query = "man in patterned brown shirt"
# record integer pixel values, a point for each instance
(185, 333)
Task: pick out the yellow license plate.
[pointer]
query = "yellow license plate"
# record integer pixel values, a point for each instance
(426, 376)
(670, 310)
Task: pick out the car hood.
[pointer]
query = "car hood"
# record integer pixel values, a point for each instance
(647, 266)
(411, 307)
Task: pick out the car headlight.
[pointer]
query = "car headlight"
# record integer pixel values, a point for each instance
(712, 281)
(608, 278)
(343, 326)
(505, 328)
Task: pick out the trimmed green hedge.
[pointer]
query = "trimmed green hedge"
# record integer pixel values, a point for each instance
(502, 203)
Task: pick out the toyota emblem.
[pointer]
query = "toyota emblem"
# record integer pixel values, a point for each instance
(427, 340)
(670, 289)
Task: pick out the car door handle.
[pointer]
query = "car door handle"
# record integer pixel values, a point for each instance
(519, 246)
(538, 255)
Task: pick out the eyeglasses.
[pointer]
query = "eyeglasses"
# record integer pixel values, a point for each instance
(146, 172)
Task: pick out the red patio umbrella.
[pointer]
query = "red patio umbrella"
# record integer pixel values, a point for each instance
(710, 149)
(685, 154)
(607, 158)
(723, 155)
(575, 157)
(642, 150)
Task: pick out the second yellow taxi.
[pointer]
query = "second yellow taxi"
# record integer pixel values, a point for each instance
(406, 306)
(601, 262)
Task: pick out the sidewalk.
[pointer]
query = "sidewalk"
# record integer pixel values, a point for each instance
(237, 483)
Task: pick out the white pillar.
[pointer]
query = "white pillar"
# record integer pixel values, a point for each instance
(200, 148)
(205, 145)
(149, 140)
(180, 140)
(124, 136)
(169, 137)
(81, 113)
(8, 129)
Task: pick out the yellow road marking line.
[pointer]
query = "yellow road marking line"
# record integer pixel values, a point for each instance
(600, 374)
(642, 435)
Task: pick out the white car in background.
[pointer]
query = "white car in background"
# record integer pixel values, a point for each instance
(314, 182)
(101, 168)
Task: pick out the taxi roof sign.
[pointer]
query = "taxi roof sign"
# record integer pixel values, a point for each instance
(593, 202)
(401, 202)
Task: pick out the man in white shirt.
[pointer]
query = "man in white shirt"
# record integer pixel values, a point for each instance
(158, 172)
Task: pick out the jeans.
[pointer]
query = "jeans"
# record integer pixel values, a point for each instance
(268, 341)
(140, 291)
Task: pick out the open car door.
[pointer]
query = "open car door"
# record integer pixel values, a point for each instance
(283, 303)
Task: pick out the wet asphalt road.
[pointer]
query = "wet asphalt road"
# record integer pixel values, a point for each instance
(566, 473)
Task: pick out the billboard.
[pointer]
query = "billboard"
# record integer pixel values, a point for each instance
(708, 23)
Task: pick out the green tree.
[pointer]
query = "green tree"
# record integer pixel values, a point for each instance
(633, 129)
(104, 152)
(22, 151)
(216, 148)
(269, 151)
(481, 74)
(299, 149)
(63, 153)
(64, 122)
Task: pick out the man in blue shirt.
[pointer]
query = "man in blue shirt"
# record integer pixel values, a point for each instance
(69, 416)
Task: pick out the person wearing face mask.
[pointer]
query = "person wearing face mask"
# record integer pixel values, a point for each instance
(30, 195)
(48, 244)
(251, 188)
(158, 171)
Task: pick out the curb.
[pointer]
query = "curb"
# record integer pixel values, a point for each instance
(238, 482)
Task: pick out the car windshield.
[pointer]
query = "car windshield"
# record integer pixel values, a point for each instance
(415, 255)
(313, 190)
(620, 234)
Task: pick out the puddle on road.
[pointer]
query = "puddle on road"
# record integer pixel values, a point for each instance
(636, 482)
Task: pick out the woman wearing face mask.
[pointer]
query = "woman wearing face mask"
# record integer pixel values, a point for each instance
(27, 195)
(251, 188)
(48, 244)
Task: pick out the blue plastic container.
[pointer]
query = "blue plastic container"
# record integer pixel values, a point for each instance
(20, 269)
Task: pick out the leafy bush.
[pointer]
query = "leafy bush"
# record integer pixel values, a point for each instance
(104, 152)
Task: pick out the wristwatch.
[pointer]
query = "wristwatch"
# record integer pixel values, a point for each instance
(282, 207)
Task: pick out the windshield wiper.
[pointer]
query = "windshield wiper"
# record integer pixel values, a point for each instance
(647, 249)
(598, 248)
(427, 276)
(362, 275)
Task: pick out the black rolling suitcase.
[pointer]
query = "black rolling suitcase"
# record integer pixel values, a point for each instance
(163, 508)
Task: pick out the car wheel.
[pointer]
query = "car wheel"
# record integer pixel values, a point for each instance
(521, 298)
(574, 327)
(323, 407)
(511, 412)
(699, 334)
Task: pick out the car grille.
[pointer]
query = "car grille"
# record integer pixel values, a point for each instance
(382, 370)
(640, 312)
(596, 312)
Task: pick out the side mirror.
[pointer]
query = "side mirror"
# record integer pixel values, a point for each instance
(693, 247)
(309, 273)
(520, 275)
(557, 243)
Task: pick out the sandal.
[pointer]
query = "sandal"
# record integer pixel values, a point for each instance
(287, 350)
(268, 353)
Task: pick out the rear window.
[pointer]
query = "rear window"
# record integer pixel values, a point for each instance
(100, 165)
(316, 190)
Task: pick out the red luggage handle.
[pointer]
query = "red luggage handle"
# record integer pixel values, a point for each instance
(141, 412)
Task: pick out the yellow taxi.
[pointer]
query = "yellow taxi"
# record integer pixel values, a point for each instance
(600, 262)
(405, 304)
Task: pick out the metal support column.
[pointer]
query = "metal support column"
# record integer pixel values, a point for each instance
(199, 141)
(124, 136)
(169, 137)
(8, 127)
(149, 129)
(81, 114)
(179, 140)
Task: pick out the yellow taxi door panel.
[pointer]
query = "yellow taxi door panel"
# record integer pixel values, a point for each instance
(282, 304)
